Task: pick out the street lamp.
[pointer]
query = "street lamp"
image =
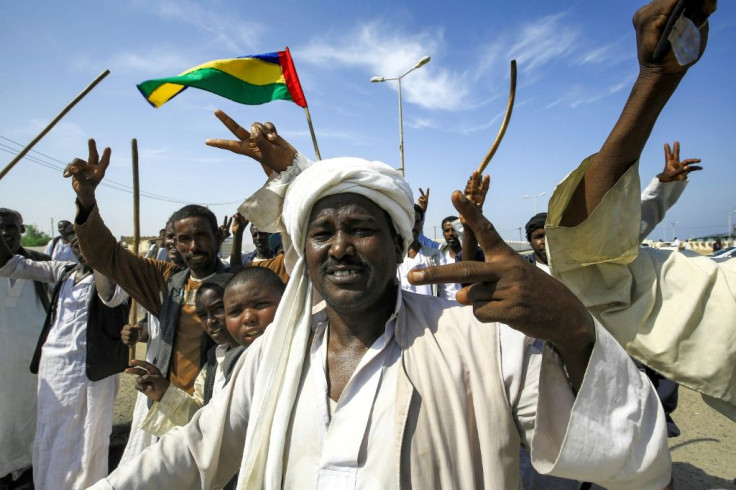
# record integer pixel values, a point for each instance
(674, 232)
(534, 200)
(730, 225)
(418, 64)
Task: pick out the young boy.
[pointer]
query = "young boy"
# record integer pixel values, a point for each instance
(233, 310)
(251, 299)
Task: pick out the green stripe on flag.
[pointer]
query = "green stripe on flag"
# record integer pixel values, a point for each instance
(161, 90)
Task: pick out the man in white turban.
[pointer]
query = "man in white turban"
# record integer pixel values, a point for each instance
(379, 388)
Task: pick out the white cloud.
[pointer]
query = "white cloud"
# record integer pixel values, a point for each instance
(231, 33)
(162, 63)
(421, 123)
(382, 52)
(534, 46)
(609, 54)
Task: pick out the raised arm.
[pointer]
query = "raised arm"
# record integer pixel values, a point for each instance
(143, 279)
(665, 189)
(239, 226)
(654, 86)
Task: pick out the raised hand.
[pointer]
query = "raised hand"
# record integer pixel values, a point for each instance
(87, 175)
(476, 190)
(510, 290)
(262, 143)
(649, 21)
(225, 227)
(674, 169)
(423, 201)
(150, 381)
(239, 223)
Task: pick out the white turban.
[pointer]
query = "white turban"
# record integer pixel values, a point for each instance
(284, 204)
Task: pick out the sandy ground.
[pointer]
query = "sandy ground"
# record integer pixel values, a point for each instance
(704, 455)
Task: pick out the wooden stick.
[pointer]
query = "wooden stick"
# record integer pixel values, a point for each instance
(133, 316)
(504, 124)
(311, 131)
(52, 123)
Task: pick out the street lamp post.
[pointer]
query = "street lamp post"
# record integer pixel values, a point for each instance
(674, 231)
(418, 64)
(730, 224)
(534, 200)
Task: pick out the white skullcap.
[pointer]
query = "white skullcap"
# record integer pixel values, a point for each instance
(375, 180)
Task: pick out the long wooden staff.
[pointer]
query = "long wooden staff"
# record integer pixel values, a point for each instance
(133, 316)
(53, 123)
(504, 124)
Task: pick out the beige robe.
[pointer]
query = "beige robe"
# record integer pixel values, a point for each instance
(674, 311)
(467, 395)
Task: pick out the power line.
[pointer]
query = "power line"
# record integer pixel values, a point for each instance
(106, 182)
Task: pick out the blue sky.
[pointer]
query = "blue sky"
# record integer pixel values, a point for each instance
(576, 64)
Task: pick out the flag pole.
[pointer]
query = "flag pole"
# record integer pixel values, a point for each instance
(311, 131)
(133, 315)
(505, 123)
(53, 123)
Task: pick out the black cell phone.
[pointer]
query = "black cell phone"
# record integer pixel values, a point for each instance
(664, 44)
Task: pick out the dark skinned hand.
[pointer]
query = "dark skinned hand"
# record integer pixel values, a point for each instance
(674, 169)
(510, 290)
(150, 381)
(87, 175)
(263, 144)
(650, 20)
(423, 201)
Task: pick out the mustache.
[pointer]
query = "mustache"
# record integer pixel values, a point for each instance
(192, 255)
(332, 264)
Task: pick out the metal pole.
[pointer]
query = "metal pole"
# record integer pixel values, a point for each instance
(401, 132)
(52, 227)
(311, 131)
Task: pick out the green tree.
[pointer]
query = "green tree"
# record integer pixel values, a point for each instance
(33, 237)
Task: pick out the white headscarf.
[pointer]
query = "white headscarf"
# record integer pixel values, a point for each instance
(285, 205)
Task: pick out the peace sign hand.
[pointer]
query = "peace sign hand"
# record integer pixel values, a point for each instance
(262, 143)
(508, 289)
(674, 169)
(225, 227)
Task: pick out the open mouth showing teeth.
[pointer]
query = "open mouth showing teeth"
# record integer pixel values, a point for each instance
(343, 273)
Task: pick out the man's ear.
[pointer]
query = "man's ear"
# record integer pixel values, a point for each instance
(219, 237)
(22, 229)
(399, 247)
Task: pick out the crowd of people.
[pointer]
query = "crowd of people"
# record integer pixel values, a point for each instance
(391, 360)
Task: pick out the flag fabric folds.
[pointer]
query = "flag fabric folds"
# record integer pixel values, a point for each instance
(252, 80)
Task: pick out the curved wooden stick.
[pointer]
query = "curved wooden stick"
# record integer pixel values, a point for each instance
(505, 123)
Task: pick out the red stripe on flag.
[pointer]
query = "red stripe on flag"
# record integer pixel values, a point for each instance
(291, 78)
